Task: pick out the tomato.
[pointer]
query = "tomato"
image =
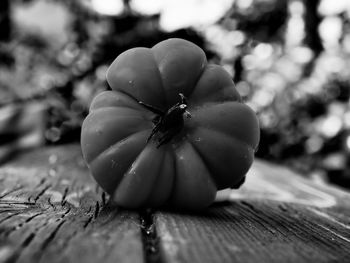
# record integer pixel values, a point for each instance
(172, 131)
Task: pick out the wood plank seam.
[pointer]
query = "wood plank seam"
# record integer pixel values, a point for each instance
(150, 238)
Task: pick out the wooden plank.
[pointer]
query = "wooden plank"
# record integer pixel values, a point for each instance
(277, 216)
(52, 211)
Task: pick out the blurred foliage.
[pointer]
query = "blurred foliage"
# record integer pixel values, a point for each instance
(288, 58)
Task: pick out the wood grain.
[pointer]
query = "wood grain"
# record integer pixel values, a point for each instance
(52, 211)
(277, 216)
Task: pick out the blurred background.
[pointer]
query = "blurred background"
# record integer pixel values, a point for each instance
(290, 60)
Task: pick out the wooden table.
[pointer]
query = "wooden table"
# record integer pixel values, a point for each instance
(52, 211)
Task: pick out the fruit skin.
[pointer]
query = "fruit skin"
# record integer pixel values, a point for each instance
(214, 149)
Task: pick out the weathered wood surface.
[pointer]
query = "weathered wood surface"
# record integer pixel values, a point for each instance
(52, 211)
(277, 216)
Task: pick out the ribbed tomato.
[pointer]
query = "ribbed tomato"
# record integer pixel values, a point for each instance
(203, 139)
